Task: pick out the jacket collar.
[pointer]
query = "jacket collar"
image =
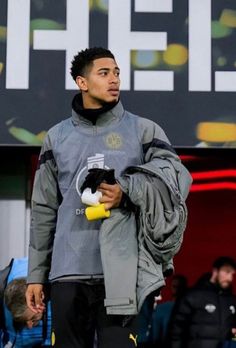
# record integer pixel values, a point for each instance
(217, 288)
(105, 118)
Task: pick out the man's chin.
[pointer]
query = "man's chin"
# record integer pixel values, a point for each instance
(225, 285)
(111, 100)
(114, 99)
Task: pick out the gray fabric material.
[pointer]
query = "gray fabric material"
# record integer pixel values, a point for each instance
(119, 250)
(62, 241)
(158, 191)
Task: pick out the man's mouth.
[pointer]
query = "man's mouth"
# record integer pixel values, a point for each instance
(114, 91)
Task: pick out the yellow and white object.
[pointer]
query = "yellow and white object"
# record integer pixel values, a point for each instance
(95, 210)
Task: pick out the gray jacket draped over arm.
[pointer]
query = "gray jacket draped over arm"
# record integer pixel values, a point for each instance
(137, 249)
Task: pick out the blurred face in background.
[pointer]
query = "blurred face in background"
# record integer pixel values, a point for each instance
(31, 319)
(223, 276)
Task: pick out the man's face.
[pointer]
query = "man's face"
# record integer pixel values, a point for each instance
(224, 276)
(101, 84)
(32, 319)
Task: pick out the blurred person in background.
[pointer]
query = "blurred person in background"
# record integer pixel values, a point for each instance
(205, 317)
(154, 316)
(20, 327)
(162, 312)
(145, 320)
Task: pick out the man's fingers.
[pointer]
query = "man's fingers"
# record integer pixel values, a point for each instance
(34, 297)
(39, 302)
(105, 186)
(111, 195)
(106, 199)
(106, 193)
(108, 206)
(30, 302)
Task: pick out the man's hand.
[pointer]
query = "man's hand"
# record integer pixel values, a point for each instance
(111, 195)
(34, 298)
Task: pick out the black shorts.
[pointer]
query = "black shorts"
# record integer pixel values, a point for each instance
(78, 312)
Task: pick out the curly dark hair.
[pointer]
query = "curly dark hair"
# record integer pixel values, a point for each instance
(84, 59)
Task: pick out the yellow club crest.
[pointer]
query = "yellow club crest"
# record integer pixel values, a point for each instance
(113, 141)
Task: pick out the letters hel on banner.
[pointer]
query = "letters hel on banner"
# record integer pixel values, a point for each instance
(177, 61)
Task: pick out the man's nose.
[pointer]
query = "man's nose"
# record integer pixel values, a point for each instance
(114, 78)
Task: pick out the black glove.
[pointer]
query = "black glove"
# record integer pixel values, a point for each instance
(96, 176)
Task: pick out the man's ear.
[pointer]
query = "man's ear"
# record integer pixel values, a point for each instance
(81, 83)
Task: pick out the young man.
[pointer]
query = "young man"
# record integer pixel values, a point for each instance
(79, 255)
(206, 316)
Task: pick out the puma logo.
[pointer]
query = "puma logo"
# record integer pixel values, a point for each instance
(131, 337)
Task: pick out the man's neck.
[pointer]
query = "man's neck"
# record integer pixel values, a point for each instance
(87, 104)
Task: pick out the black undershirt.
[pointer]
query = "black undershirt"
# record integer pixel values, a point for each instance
(90, 114)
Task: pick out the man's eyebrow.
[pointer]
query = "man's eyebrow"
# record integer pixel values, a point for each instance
(103, 69)
(107, 69)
